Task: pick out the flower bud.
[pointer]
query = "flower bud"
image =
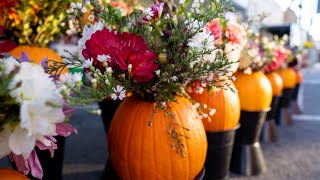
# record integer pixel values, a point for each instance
(162, 58)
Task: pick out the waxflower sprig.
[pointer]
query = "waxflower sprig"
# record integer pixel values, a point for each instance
(32, 113)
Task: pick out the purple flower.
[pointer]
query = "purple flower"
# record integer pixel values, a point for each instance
(153, 13)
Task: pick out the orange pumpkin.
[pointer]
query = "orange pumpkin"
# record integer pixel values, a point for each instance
(276, 83)
(255, 91)
(139, 151)
(299, 77)
(36, 54)
(9, 174)
(288, 76)
(227, 105)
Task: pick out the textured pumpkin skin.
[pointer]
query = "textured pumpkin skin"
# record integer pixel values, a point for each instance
(36, 54)
(9, 174)
(138, 151)
(288, 77)
(255, 91)
(299, 76)
(276, 83)
(227, 105)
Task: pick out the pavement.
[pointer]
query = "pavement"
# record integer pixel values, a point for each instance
(296, 156)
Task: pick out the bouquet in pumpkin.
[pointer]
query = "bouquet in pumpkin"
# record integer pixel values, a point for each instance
(275, 51)
(152, 54)
(31, 113)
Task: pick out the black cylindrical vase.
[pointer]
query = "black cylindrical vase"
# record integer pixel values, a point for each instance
(282, 116)
(269, 130)
(295, 92)
(52, 167)
(247, 157)
(108, 109)
(219, 152)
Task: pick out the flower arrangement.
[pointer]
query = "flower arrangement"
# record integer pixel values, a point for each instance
(152, 53)
(31, 113)
(33, 22)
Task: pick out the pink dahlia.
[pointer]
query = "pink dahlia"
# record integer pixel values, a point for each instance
(279, 58)
(236, 34)
(124, 49)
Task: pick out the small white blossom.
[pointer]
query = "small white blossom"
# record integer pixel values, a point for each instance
(91, 17)
(109, 70)
(196, 105)
(212, 112)
(174, 78)
(148, 13)
(73, 5)
(233, 78)
(199, 90)
(204, 115)
(182, 1)
(79, 5)
(94, 80)
(129, 67)
(66, 78)
(77, 77)
(103, 58)
(164, 104)
(119, 93)
(88, 63)
(107, 82)
(157, 72)
(84, 10)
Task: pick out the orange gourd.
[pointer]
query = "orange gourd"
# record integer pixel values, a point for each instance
(289, 77)
(276, 83)
(255, 91)
(9, 174)
(36, 54)
(227, 105)
(299, 77)
(139, 151)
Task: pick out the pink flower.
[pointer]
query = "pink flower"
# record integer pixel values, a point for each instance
(124, 49)
(153, 13)
(278, 59)
(215, 28)
(235, 34)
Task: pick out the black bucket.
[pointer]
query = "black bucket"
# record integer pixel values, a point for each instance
(219, 152)
(295, 92)
(247, 158)
(269, 130)
(52, 167)
(108, 109)
(282, 116)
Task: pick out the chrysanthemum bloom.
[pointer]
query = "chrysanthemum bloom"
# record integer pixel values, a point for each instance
(124, 49)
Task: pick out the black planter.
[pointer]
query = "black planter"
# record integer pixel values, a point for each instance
(295, 92)
(219, 154)
(52, 167)
(283, 116)
(269, 130)
(108, 109)
(247, 158)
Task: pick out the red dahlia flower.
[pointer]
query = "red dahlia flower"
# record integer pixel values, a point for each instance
(124, 49)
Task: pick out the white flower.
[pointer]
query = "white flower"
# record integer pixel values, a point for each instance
(103, 58)
(204, 115)
(212, 112)
(196, 105)
(88, 63)
(79, 5)
(84, 10)
(164, 104)
(157, 72)
(129, 67)
(107, 82)
(193, 24)
(88, 31)
(233, 52)
(66, 78)
(73, 5)
(199, 90)
(120, 93)
(182, 1)
(233, 78)
(174, 78)
(109, 70)
(77, 77)
(94, 81)
(37, 117)
(4, 142)
(148, 13)
(91, 17)
(10, 64)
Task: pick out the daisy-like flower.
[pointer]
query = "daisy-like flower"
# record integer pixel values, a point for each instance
(79, 5)
(91, 17)
(119, 93)
(88, 63)
(233, 78)
(84, 10)
(157, 72)
(174, 78)
(109, 70)
(212, 112)
(164, 104)
(77, 77)
(73, 5)
(148, 13)
(103, 58)
(66, 78)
